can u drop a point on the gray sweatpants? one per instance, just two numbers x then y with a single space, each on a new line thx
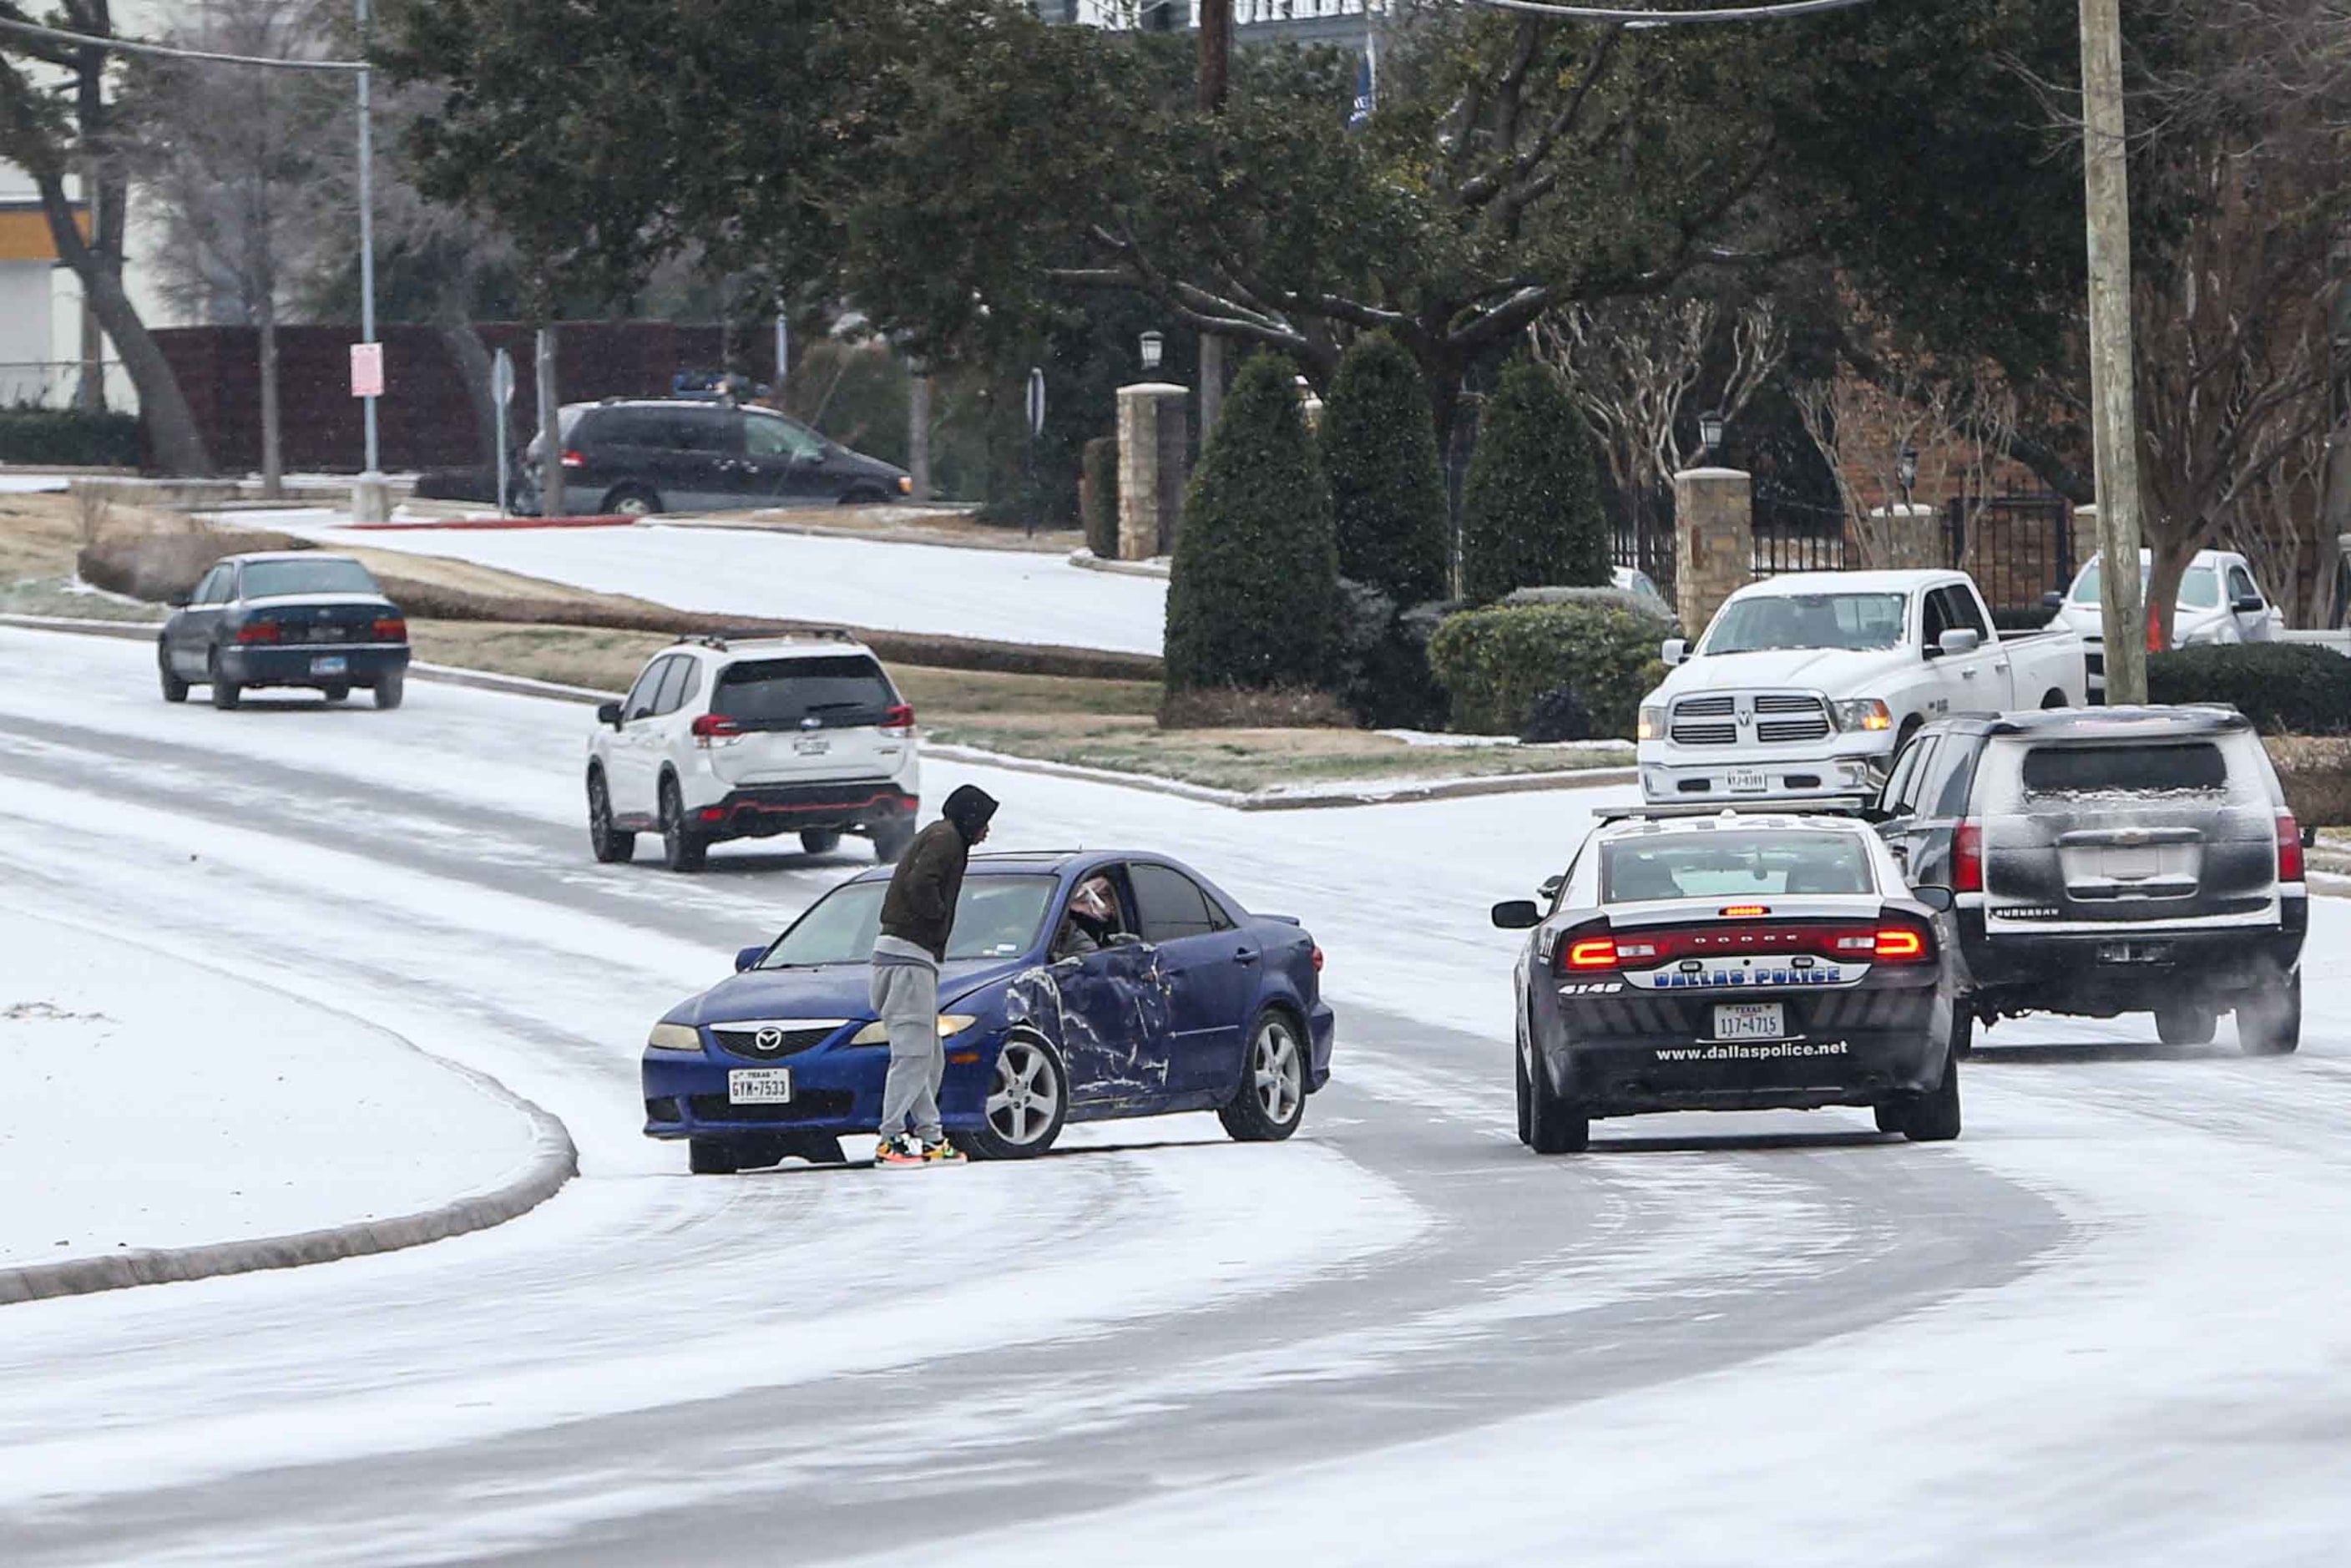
907 998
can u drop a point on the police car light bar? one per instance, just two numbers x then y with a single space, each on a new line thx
1823 806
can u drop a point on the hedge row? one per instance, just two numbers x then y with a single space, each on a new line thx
1496 665
69 438
2285 688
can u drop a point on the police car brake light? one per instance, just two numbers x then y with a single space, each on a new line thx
1592 953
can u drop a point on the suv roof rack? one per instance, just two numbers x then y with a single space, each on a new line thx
1821 806
726 634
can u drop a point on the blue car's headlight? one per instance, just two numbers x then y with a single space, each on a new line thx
950 1025
674 1037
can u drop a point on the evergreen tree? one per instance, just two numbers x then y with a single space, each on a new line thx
1530 510
1387 493
1253 601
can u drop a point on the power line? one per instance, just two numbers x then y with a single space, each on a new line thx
1648 18
167 52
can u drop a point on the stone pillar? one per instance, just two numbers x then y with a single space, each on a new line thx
1153 440
1714 536
1914 540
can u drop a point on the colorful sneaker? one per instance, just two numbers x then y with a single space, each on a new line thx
942 1152
901 1150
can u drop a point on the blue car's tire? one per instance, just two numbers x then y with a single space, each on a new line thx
1027 1103
712 1157
1271 1099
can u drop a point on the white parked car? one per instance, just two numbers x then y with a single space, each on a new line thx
1642 586
2218 603
751 738
1805 686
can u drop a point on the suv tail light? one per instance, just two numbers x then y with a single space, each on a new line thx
1967 858
257 631
899 722
1318 961
391 629
574 460
2289 848
710 727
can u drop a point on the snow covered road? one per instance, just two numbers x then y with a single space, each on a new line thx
1007 596
2096 1329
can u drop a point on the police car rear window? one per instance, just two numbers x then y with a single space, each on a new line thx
2124 769
1733 864
834 690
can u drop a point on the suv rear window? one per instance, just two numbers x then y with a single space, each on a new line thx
1718 865
835 689
2124 769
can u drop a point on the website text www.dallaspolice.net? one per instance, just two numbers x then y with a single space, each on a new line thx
1739 1052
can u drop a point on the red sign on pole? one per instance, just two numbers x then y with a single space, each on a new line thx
367 369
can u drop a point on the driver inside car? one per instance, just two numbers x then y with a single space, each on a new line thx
1091 921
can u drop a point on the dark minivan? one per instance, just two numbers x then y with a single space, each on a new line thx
633 457
2111 861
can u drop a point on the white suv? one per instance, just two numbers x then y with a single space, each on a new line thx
748 738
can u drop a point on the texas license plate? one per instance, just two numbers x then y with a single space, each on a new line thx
334 665
1751 1021
1748 781
811 746
759 1086
2133 952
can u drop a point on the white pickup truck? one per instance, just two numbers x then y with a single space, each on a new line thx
1807 686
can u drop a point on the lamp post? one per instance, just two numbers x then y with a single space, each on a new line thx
1709 432
369 502
1153 345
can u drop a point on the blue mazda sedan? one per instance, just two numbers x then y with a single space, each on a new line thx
1079 987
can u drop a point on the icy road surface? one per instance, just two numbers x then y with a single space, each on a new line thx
2098 1329
1005 596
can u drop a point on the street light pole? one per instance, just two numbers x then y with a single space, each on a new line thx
369 502
2113 381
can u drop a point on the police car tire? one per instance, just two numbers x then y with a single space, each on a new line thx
1934 1116
1554 1125
1518 1063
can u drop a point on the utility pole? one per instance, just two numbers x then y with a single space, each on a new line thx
552 500
1216 63
2114 386
369 502
918 428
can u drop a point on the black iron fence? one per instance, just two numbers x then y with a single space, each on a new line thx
1793 535
2016 547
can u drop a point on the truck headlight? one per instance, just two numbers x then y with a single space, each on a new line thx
1651 724
1862 714
674 1037
878 1033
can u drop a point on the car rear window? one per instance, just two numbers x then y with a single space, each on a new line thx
836 689
2124 769
1733 864
276 579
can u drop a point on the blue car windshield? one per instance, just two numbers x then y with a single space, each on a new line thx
997 917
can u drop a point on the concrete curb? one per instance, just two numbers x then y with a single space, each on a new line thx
459 525
1086 560
1397 793
554 1160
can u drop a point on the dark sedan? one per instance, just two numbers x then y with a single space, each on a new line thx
296 619
1723 962
1179 1001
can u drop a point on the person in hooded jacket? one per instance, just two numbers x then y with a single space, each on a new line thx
917 920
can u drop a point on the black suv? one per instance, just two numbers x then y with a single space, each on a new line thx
2110 860
635 456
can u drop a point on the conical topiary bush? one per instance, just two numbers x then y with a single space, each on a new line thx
1387 490
1530 511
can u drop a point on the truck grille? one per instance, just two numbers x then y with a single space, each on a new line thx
1779 717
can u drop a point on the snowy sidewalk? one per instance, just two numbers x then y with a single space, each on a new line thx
159 1119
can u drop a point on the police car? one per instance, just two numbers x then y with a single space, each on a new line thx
1692 958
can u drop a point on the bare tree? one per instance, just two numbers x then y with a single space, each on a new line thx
1632 366
56 122
1957 427
226 153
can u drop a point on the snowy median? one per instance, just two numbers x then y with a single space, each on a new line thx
161 1121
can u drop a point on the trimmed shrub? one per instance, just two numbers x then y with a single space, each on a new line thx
1243 707
2315 772
1254 596
1098 497
1530 511
69 438
1381 668
1498 664
2285 688
1387 492
1612 597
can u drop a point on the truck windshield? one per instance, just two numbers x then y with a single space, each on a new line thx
1733 864
1808 621
995 917
2200 588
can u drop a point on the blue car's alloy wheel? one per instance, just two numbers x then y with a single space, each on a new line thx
1272 1094
1028 1099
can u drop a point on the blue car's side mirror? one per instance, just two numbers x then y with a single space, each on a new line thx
749 958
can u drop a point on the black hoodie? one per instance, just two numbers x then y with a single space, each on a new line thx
920 906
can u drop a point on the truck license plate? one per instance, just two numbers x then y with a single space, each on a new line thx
1751 1021
1748 781
759 1086
811 746
334 665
